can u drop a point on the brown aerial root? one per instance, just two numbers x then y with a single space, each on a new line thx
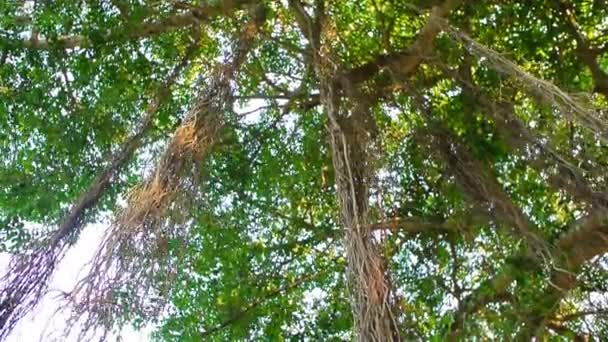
130 276
185 138
378 286
147 200
372 296
135 256
152 199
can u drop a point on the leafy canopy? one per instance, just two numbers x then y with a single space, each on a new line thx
485 186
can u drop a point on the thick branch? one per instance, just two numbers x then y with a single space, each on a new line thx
586 239
477 180
404 63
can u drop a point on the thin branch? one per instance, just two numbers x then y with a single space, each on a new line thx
258 302
579 314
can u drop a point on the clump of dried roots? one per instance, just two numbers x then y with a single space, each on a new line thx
138 252
29 273
138 259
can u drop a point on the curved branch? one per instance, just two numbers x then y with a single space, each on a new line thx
519 136
478 181
586 53
586 239
491 291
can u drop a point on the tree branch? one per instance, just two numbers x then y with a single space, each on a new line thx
194 16
587 239
492 290
419 225
404 63
478 180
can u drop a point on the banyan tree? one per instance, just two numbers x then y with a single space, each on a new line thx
370 170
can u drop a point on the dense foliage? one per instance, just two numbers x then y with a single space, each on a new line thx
310 169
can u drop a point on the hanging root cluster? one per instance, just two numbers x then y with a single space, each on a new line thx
138 251
132 271
373 300
370 285
547 92
371 290
135 253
